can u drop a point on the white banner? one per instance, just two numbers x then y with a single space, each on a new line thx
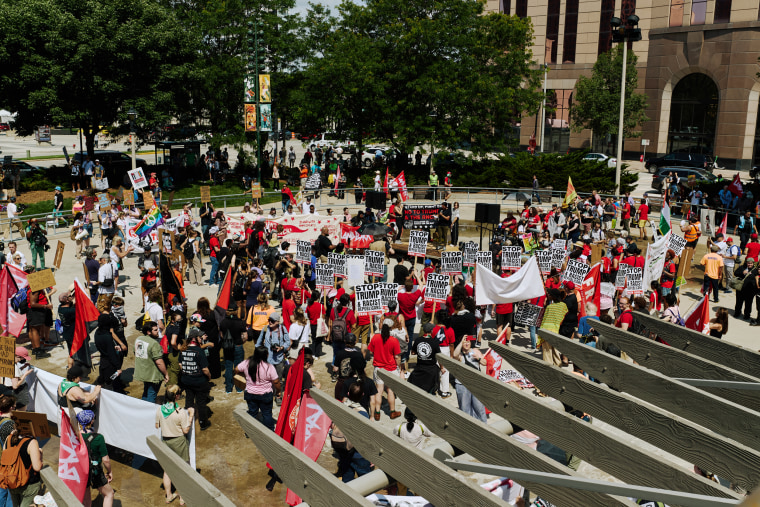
676 243
418 241
306 227
354 271
373 263
437 288
575 272
368 299
451 263
655 260
510 258
490 288
124 422
485 259
303 252
469 254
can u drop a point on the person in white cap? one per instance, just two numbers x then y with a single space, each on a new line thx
306 205
377 181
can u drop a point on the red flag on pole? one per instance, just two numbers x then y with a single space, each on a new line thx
590 289
401 182
224 298
291 399
736 186
73 458
698 318
723 229
85 313
311 431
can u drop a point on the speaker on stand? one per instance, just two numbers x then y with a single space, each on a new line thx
488 214
376 200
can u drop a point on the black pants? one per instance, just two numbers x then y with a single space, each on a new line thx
316 341
743 298
196 395
711 285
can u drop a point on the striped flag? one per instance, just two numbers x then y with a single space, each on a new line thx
664 219
570 195
152 219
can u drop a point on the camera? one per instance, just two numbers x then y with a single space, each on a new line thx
2 246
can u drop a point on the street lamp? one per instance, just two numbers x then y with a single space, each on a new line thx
545 66
132 115
624 33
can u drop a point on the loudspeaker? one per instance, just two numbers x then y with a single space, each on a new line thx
487 213
376 200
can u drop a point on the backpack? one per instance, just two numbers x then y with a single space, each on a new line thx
339 327
13 474
141 321
95 467
240 282
188 251
20 301
270 255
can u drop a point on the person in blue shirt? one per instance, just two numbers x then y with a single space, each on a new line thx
726 197
584 326
275 338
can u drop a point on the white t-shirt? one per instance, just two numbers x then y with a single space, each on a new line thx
289 214
107 270
299 332
11 209
156 314
23 257
115 256
306 205
414 437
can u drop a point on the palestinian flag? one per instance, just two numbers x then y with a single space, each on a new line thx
664 226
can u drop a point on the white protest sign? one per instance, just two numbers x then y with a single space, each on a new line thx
527 314
620 277
388 292
558 257
607 289
485 259
303 252
354 270
510 258
451 263
676 243
437 288
559 244
373 263
634 278
337 263
368 300
137 177
544 258
418 241
510 375
324 275
575 272
469 255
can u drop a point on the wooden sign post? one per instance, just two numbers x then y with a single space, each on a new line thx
148 200
41 280
58 254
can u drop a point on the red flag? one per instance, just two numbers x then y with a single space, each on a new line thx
311 431
401 182
385 183
224 298
698 318
85 312
13 323
73 459
723 229
590 289
285 190
350 236
736 186
291 400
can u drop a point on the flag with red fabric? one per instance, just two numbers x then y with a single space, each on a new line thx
385 183
86 312
311 432
350 237
698 318
723 229
11 281
590 292
285 190
736 186
224 298
401 182
291 400
73 458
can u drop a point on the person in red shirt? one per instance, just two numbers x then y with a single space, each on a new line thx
407 306
552 281
753 248
386 354
634 258
503 314
314 311
626 216
427 270
288 309
643 214
215 246
625 320
668 273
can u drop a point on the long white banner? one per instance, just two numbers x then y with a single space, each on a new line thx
306 227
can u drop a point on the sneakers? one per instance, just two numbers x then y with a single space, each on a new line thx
445 395
408 373
377 416
395 415
40 353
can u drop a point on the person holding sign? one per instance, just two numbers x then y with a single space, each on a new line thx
386 354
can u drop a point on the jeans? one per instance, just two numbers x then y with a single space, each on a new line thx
469 404
536 197
711 285
214 271
665 290
5 498
351 463
533 341
261 402
232 357
150 391
337 347
410 323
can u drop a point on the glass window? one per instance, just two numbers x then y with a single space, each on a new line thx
505 6
676 12
521 8
693 115
722 11
571 31
698 12
552 30
605 30
557 133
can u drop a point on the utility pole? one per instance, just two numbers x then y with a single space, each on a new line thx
253 70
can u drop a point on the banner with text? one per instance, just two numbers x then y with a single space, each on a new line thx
368 299
421 216
510 258
418 241
437 288
575 272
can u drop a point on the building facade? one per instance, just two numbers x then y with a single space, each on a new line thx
698 66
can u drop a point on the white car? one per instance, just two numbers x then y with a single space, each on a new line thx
330 139
601 157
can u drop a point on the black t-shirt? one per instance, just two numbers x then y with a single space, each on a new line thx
358 363
193 361
426 348
445 217
370 389
462 324
323 245
206 219
571 317
236 328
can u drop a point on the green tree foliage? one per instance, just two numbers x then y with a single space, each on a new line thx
86 62
409 72
596 103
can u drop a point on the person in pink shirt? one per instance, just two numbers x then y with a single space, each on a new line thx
260 382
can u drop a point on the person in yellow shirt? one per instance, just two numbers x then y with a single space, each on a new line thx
713 264
258 315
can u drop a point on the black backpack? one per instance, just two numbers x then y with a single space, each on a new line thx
188 251
270 256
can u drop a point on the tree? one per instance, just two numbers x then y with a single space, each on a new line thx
596 103
411 71
87 62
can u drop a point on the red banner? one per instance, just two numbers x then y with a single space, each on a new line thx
401 182
589 290
349 236
73 459
311 432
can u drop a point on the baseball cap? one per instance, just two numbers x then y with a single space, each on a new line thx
730 240
195 333
570 285
213 230
753 235
428 327
22 352
197 317
428 262
58 188
275 316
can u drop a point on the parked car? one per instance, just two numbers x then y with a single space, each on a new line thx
24 168
4 127
330 139
694 160
116 163
683 173
601 157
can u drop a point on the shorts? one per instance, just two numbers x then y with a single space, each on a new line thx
362 334
504 319
377 378
642 224
97 477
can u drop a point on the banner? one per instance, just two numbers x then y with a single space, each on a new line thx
620 277
676 243
707 217
368 300
324 276
374 262
265 115
337 263
469 254
451 263
525 284
655 260
510 258
401 183
527 314
137 177
250 118
265 88
311 432
485 259
388 292
306 227
570 195
544 258
73 459
575 272
12 280
314 181
418 241
351 238
437 288
421 216
634 279
303 252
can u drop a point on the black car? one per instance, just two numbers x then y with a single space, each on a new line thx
684 173
116 163
694 160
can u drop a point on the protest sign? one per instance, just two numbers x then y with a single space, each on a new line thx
368 300
104 202
137 177
129 199
388 292
558 257
634 278
418 241
205 194
313 182
354 271
31 424
575 272
620 277
560 244
510 375
469 254
41 280
437 288
374 263
256 192
421 216
303 252
148 200
58 254
544 258
607 289
451 263
324 274
676 243
527 314
529 242
485 259
510 258
337 263
7 356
